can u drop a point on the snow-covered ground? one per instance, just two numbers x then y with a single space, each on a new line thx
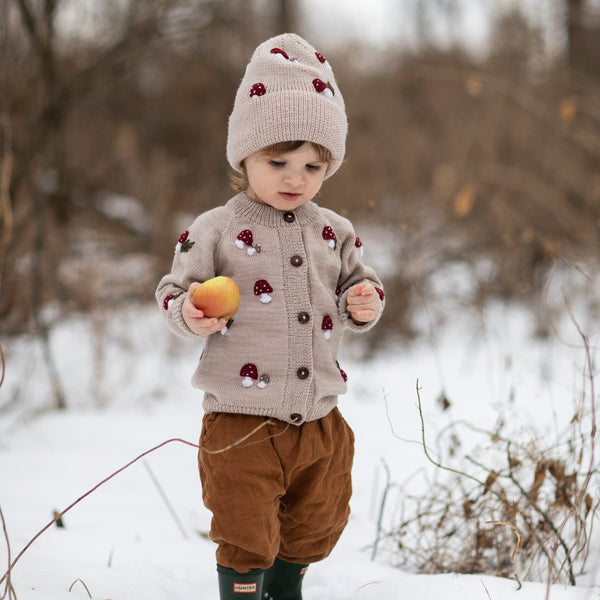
127 385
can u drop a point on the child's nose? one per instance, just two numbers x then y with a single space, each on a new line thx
293 178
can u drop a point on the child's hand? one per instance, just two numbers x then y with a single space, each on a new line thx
195 319
363 302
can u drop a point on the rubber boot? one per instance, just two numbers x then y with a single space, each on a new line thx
234 585
283 581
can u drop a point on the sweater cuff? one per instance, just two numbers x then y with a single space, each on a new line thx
176 322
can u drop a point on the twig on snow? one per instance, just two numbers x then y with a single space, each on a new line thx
486 590
9 591
381 509
83 584
166 500
426 451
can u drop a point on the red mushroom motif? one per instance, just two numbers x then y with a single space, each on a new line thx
262 288
358 243
327 327
168 300
280 52
249 372
245 238
322 59
258 89
323 88
183 243
329 236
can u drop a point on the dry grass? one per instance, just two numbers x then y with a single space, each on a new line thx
512 507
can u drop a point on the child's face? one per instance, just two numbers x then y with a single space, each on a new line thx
285 181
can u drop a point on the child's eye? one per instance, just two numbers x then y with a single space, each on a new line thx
277 163
314 167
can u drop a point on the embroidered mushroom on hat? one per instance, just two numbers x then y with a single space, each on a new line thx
323 88
327 326
262 288
329 236
322 59
280 52
258 89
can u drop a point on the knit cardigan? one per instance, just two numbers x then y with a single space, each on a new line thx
278 358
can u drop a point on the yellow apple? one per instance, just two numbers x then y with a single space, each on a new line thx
217 297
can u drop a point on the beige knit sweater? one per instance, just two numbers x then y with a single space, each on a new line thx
279 356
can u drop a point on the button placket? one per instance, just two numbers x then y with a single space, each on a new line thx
298 303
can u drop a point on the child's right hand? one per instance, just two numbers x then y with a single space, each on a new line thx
194 318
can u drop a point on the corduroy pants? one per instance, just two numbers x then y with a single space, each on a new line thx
282 492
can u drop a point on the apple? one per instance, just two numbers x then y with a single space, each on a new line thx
217 297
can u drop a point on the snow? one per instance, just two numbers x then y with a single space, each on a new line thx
126 379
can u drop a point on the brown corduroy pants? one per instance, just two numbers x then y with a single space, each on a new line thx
283 492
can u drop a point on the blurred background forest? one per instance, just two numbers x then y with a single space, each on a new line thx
113 124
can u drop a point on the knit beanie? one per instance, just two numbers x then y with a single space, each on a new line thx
288 93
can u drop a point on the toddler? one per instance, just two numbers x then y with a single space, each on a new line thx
280 499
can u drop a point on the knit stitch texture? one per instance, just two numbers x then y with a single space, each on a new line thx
297 375
288 93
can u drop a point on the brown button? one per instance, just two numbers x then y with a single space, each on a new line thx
296 260
289 217
303 317
295 418
302 373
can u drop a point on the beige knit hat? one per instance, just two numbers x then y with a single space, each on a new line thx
288 93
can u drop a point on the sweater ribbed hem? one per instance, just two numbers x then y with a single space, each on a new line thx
316 410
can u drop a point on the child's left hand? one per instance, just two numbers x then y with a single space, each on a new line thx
363 302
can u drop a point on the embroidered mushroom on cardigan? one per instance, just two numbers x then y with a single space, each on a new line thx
246 238
327 326
249 373
262 288
329 236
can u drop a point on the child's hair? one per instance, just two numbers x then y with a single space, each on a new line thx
239 181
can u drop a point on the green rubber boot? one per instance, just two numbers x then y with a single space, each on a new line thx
235 586
283 581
